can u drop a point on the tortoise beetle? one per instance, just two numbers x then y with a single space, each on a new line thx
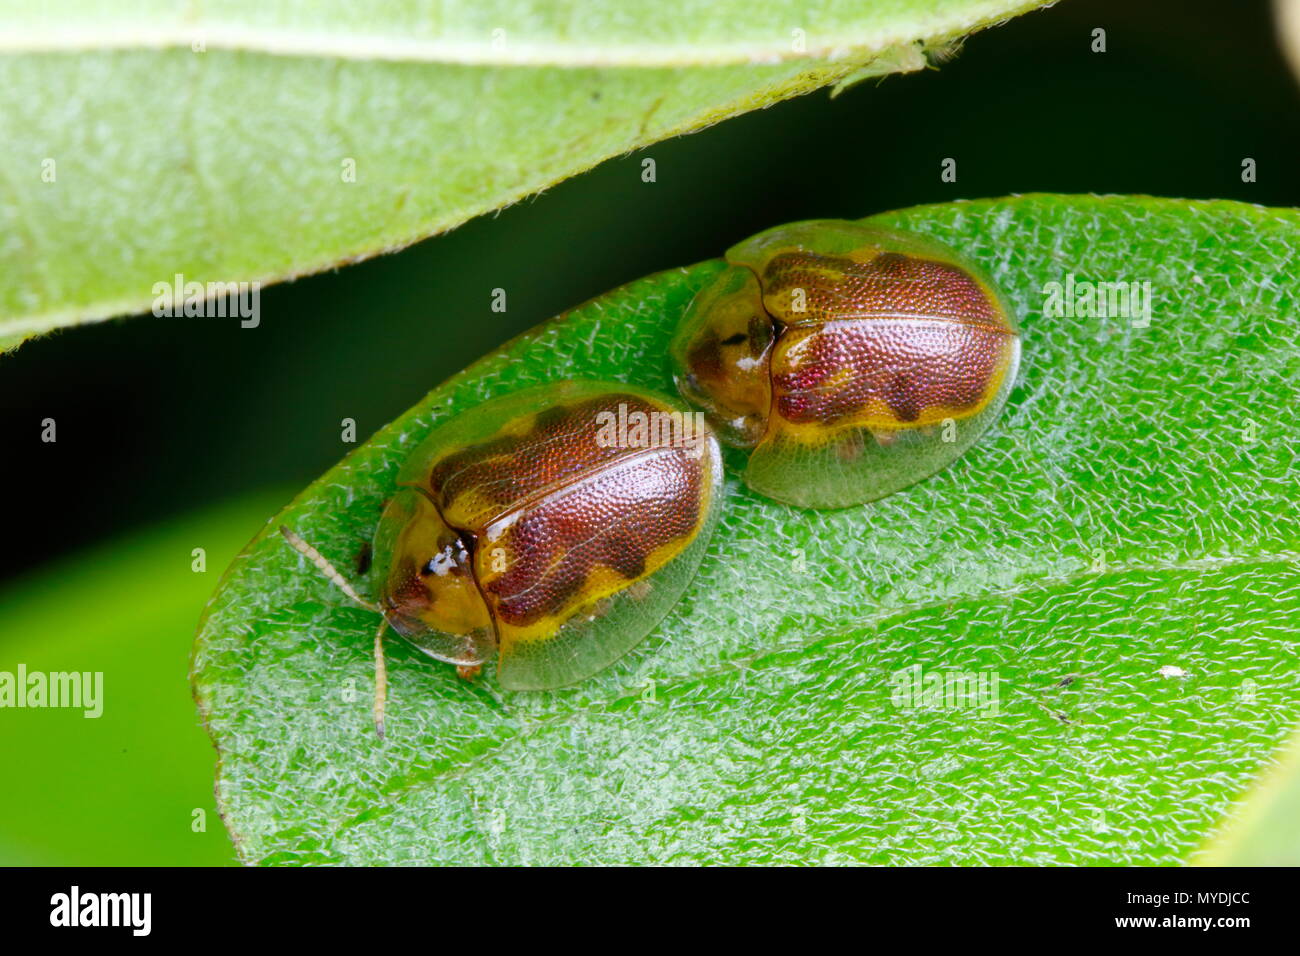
554 527
853 360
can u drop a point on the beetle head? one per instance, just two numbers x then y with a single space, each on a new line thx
427 589
721 355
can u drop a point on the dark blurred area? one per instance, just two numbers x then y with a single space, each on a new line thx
158 416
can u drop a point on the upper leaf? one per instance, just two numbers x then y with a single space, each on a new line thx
1116 560
258 140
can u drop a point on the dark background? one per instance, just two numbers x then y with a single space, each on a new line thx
159 416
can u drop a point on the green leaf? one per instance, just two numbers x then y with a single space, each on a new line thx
1119 552
1265 829
213 141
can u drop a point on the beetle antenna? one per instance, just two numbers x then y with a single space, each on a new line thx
381 679
327 569
381 668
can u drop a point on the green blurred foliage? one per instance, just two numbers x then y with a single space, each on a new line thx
122 788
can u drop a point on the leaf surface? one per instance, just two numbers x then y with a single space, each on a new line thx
1117 559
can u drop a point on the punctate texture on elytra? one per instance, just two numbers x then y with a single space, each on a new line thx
852 360
556 525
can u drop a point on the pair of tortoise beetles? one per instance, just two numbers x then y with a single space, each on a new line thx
557 526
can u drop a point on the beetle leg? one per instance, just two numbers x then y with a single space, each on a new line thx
468 671
884 438
640 590
381 679
599 609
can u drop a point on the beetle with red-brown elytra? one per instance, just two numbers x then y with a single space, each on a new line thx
851 360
